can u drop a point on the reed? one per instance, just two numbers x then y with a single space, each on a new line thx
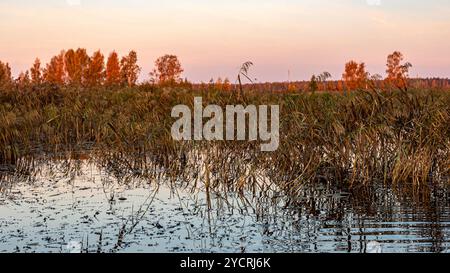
353 139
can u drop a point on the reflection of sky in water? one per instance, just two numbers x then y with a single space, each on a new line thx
53 212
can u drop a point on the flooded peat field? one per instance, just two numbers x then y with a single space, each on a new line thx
92 210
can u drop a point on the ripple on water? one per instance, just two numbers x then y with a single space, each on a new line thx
100 214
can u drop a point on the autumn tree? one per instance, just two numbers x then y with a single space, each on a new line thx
226 85
54 71
76 66
355 75
36 72
71 66
5 74
397 73
96 69
167 70
340 86
113 69
129 70
291 87
218 84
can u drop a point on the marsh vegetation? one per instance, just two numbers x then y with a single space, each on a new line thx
354 140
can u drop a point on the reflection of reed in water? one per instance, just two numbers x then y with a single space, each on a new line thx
235 186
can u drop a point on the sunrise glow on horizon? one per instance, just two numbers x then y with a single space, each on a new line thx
212 38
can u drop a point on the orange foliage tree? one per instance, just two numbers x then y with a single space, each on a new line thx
54 71
129 70
340 86
76 65
223 85
96 69
218 84
226 85
5 74
397 73
167 70
355 75
112 69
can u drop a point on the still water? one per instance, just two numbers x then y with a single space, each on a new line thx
94 211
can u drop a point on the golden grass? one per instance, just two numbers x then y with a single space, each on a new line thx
364 137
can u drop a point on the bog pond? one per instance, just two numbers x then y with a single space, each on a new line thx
92 209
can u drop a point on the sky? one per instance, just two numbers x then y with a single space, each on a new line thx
213 38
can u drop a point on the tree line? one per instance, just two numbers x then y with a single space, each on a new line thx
76 68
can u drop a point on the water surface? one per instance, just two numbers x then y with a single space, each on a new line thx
94 211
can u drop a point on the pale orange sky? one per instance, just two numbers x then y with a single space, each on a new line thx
212 38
